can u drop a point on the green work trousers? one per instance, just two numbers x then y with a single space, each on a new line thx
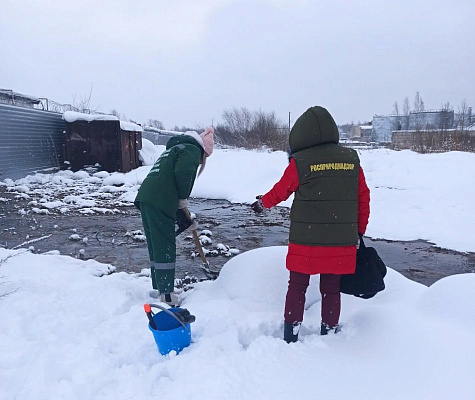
160 233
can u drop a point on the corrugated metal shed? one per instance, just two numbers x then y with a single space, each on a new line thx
30 140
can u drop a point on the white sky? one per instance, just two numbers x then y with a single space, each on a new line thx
183 62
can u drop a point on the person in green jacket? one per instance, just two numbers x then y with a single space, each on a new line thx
162 198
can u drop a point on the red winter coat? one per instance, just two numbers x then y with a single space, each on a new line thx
319 259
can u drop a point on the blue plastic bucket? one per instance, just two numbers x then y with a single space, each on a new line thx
170 333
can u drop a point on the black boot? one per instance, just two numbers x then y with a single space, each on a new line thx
291 331
324 329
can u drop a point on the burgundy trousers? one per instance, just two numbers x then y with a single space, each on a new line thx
295 300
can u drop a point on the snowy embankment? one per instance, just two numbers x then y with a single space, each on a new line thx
422 196
69 333
413 196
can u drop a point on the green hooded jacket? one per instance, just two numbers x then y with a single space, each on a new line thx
173 175
325 207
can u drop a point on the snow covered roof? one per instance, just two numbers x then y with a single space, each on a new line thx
366 127
24 97
162 131
73 116
431 111
130 126
412 112
388 115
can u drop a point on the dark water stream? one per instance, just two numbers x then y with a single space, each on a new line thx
234 225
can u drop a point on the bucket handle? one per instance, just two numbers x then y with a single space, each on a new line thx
170 313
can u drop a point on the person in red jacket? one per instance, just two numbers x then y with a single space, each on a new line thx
330 209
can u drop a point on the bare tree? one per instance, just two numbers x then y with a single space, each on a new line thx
184 128
463 116
417 99
396 121
155 123
446 106
252 129
83 103
119 115
406 108
445 113
395 108
418 103
237 125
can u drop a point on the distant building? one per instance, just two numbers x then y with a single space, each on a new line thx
366 133
355 132
362 133
343 135
425 120
384 125
431 131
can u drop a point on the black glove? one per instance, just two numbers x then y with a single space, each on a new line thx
257 205
182 221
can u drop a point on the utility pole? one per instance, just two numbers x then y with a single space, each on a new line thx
289 121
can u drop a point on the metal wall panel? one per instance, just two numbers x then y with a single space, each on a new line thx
156 138
30 140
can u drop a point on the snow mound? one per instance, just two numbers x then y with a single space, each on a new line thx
451 300
250 290
150 152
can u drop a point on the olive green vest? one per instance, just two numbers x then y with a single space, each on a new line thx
325 208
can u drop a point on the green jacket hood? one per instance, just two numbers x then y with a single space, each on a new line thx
187 138
315 126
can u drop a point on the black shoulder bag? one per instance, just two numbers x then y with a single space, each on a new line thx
368 278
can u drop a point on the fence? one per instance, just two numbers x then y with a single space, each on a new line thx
158 137
30 140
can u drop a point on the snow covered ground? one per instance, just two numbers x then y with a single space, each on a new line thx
413 196
422 196
70 331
